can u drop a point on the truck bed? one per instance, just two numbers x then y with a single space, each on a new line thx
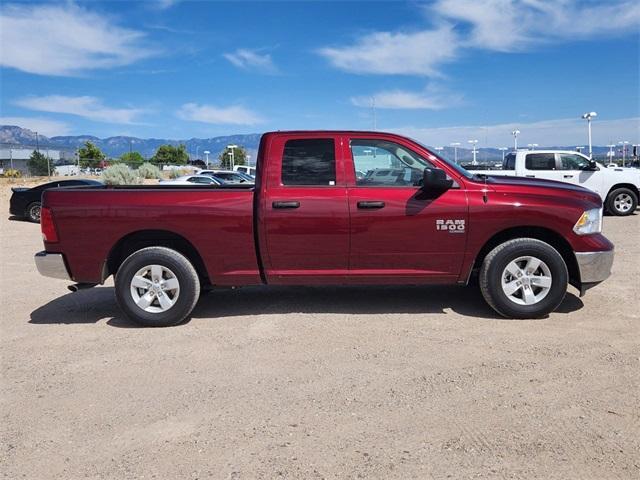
216 220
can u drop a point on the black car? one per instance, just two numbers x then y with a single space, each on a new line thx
25 202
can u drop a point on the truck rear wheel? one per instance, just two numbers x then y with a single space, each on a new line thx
157 287
621 202
524 278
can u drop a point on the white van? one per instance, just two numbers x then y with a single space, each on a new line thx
245 169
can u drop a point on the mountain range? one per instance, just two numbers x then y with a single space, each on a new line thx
11 135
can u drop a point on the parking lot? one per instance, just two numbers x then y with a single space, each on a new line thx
375 382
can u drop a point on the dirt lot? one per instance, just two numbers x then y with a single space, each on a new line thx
318 382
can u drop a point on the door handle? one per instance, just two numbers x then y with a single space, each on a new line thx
568 176
371 205
291 204
530 176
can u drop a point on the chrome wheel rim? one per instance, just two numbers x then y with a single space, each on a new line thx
34 212
526 280
155 288
623 202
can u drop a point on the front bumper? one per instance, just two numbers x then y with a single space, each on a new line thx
594 267
52 265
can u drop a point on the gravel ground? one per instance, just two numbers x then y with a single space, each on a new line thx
318 382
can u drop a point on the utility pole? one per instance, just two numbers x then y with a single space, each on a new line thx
373 112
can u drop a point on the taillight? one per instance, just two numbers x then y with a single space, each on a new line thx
47 227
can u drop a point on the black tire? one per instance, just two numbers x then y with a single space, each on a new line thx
495 264
178 265
32 212
621 202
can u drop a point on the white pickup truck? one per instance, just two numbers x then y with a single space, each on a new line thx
618 187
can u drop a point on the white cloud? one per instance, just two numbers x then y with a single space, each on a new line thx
559 132
43 126
498 25
251 60
418 53
66 39
87 107
429 99
233 115
511 25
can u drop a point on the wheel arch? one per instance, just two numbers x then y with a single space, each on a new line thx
630 186
137 240
546 235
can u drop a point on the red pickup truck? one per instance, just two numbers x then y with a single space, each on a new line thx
329 207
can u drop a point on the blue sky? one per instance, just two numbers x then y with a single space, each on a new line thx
442 71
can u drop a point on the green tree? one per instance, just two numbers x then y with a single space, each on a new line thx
239 157
172 155
38 164
90 156
133 159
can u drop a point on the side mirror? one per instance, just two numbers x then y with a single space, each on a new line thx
591 166
435 179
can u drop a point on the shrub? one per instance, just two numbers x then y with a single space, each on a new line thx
146 170
177 172
12 173
120 174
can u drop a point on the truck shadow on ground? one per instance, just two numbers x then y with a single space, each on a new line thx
93 305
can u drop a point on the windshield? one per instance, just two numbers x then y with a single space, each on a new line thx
462 171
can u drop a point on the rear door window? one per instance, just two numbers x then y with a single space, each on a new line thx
309 162
540 161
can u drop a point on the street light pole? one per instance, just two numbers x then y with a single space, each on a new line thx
588 116
232 154
455 146
503 149
624 150
206 155
611 154
515 134
474 143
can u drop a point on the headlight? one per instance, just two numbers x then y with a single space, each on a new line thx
589 222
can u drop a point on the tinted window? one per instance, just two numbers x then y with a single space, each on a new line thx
572 162
379 162
540 161
309 162
509 162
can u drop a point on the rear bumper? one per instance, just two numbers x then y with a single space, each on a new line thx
52 265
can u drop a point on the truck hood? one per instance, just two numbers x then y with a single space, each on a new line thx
551 187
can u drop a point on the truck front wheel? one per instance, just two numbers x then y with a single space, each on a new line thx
157 287
621 202
524 278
